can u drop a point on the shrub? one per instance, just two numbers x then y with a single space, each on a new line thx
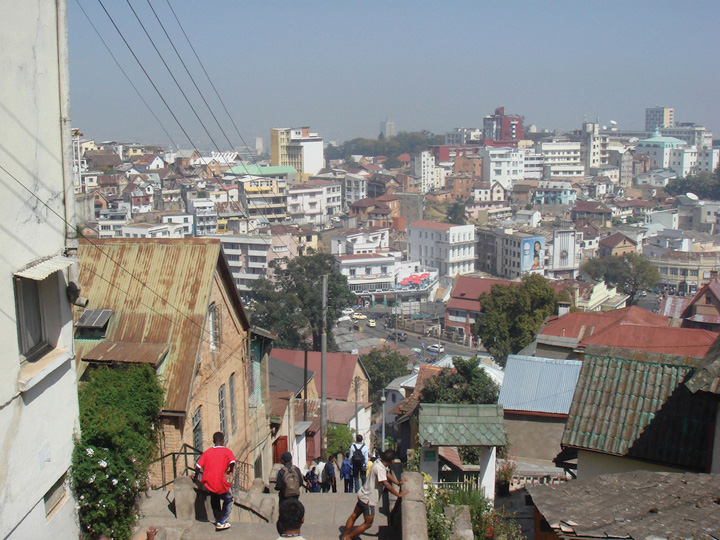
119 412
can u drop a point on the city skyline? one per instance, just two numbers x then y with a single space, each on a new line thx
342 70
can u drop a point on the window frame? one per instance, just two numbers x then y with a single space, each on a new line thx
28 352
231 398
222 409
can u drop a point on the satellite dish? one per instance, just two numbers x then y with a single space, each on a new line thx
613 122
604 127
692 196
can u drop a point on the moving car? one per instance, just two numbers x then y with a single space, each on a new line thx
371 323
359 316
401 336
348 311
435 348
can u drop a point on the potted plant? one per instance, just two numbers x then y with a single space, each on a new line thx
503 475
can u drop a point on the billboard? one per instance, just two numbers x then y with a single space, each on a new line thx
533 254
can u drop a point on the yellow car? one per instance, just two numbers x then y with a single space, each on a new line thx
359 316
371 323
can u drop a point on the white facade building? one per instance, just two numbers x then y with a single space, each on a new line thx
154 230
38 387
461 136
533 163
503 165
187 221
314 202
111 222
429 174
563 159
675 155
298 148
205 216
449 248
360 241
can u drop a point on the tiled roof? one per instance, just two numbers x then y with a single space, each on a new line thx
591 206
469 288
707 378
534 384
427 224
634 404
638 504
449 424
616 239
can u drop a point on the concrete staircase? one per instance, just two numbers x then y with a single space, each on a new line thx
325 515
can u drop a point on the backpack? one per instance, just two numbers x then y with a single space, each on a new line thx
291 480
358 459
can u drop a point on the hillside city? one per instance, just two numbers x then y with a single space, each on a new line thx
525 315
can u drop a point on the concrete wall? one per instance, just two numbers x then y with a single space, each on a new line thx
38 398
594 464
534 437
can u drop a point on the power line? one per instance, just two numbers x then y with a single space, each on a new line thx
146 74
125 73
172 75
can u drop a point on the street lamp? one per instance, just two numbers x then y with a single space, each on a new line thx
382 400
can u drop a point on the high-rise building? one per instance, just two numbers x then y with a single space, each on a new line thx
387 128
659 117
502 127
297 148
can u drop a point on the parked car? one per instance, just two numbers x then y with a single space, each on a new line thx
401 336
359 316
348 311
435 348
371 323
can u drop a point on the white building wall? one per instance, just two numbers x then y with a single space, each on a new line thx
38 399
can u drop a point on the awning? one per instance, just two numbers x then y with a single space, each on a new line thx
302 427
39 271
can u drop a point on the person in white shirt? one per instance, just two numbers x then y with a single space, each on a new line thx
359 461
370 495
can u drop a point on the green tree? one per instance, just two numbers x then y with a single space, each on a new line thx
456 213
466 383
382 366
293 302
512 314
631 273
339 439
119 422
705 185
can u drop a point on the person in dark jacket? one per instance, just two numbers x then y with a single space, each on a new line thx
346 473
287 468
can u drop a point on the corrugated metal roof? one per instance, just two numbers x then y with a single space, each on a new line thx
41 270
534 384
133 353
163 300
449 424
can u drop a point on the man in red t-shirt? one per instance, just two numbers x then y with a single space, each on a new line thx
215 465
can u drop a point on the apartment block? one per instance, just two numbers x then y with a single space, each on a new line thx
298 148
315 202
659 117
449 248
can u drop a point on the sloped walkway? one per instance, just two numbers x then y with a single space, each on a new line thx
325 515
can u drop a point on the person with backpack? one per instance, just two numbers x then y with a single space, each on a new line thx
346 473
289 479
359 460
328 478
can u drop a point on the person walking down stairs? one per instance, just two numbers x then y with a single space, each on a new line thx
215 468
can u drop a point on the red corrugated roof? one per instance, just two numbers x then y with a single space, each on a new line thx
582 324
665 340
616 239
339 372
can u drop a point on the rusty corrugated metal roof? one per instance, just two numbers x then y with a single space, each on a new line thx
131 353
159 291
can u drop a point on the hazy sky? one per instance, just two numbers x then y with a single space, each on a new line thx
341 66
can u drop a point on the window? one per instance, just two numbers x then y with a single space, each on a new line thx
31 325
231 389
55 495
197 431
221 409
214 323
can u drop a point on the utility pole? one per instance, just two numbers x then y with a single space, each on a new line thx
323 366
382 399
305 384
357 421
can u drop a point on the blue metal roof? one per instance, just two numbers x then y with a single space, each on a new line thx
535 384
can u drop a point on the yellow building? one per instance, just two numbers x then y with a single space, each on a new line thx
297 148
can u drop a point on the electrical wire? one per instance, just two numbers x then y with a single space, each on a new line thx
117 63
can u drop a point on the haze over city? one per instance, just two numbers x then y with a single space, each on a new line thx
344 67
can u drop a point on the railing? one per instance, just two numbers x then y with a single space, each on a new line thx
242 476
469 484
178 458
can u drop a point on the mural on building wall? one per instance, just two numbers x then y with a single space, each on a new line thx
533 253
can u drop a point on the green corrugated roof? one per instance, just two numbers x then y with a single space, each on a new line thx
257 170
637 406
447 424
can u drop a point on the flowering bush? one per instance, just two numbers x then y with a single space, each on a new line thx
506 469
119 409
